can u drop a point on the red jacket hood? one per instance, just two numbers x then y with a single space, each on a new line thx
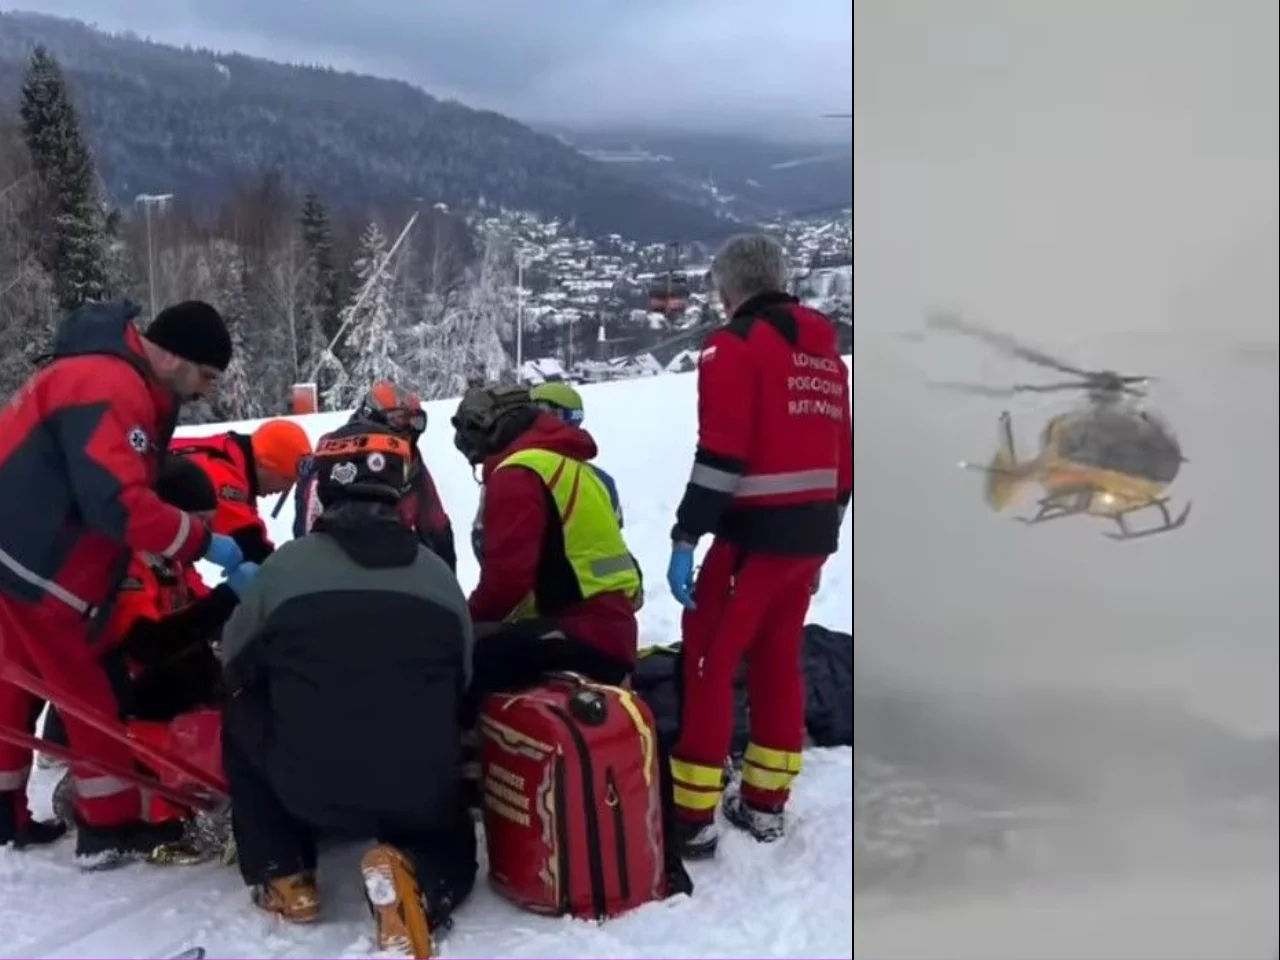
548 433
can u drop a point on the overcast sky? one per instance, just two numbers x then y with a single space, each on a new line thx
736 64
1069 165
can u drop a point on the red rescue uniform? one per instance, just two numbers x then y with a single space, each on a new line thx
166 611
772 478
160 638
80 449
227 460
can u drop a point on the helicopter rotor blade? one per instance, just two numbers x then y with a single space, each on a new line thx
953 323
1051 387
974 389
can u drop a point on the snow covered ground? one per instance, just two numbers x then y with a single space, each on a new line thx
792 899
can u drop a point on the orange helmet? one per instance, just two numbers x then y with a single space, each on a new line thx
392 406
280 446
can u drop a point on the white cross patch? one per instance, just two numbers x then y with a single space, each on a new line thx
139 440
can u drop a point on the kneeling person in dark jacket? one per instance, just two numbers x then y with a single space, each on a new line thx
352 643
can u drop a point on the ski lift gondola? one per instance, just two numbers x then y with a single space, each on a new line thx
669 291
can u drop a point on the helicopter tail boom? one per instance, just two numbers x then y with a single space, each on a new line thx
1006 478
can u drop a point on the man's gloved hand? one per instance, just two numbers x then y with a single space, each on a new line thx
680 574
224 552
240 578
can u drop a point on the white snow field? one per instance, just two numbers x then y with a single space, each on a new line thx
791 899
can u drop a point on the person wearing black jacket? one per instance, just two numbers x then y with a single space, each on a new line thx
346 665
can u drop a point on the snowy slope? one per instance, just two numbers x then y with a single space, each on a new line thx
793 899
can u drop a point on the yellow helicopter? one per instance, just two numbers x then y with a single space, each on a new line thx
1109 457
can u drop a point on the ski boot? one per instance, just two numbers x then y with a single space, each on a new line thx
105 848
19 828
401 923
695 840
765 826
206 835
294 898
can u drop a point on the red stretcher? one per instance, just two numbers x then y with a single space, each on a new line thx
183 757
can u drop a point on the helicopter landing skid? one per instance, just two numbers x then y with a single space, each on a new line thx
1076 503
1170 523
1063 504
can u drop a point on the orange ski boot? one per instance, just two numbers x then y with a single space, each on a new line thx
399 914
295 898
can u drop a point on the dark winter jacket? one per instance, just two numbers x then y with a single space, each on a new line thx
346 663
523 548
80 448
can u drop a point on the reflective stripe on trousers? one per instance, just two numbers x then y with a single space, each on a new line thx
14 780
97 787
763 484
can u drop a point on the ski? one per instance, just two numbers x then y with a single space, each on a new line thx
193 953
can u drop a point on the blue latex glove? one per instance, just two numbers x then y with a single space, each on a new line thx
240 578
680 574
224 552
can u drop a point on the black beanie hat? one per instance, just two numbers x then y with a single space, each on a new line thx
184 485
194 331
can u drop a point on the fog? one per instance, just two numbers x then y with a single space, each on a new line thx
1099 179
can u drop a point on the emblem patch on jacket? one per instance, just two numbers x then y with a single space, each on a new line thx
139 440
229 492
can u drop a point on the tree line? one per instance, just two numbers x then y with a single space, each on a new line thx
309 297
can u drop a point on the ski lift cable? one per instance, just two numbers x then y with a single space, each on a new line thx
364 293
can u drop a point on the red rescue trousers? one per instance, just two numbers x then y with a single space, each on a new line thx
51 642
750 605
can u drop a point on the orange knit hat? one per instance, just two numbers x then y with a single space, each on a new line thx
280 446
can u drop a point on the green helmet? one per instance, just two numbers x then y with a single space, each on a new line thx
559 398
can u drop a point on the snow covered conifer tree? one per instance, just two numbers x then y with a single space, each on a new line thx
372 336
464 339
237 399
319 316
75 251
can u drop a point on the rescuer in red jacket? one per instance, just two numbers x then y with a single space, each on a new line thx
557 586
771 479
158 649
158 646
80 448
243 468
